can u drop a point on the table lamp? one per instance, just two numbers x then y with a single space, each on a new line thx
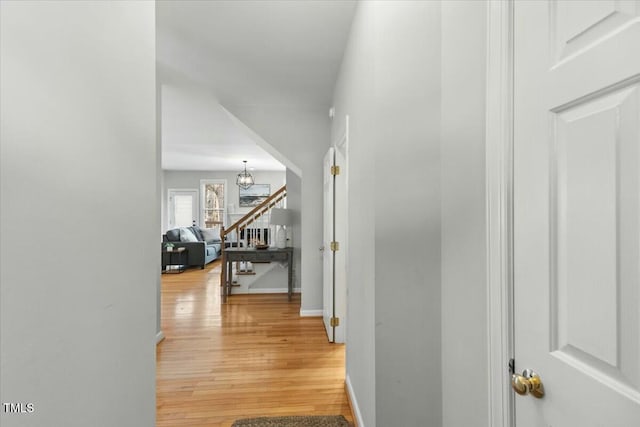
280 218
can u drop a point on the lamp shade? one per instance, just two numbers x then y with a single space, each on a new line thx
280 216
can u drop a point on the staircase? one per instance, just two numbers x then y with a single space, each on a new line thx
251 230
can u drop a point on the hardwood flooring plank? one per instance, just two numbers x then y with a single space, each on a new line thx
254 356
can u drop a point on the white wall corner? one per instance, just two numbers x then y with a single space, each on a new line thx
264 144
354 402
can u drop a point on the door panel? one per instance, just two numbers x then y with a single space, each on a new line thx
577 24
590 142
577 211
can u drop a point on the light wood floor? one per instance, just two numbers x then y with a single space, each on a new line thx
253 356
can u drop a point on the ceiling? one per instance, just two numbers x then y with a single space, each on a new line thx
216 54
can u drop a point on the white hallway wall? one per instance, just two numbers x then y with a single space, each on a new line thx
294 203
78 170
464 257
412 82
354 95
389 85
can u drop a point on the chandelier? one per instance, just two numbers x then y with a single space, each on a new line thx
244 179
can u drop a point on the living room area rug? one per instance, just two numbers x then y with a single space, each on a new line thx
295 421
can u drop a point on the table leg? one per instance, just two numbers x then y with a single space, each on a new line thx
290 282
230 280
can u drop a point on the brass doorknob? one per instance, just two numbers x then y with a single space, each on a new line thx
528 382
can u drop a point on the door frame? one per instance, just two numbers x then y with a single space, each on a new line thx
328 254
340 233
341 145
499 205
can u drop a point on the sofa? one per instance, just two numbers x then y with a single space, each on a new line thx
203 245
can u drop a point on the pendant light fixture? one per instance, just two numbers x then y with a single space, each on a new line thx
244 179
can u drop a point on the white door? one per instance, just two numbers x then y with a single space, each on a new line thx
334 255
327 254
183 208
577 211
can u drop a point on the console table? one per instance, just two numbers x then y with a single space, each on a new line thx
231 255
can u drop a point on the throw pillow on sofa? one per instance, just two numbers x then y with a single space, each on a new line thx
173 235
196 232
211 235
187 235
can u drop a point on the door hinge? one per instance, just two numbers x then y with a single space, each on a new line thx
512 366
335 170
335 321
335 246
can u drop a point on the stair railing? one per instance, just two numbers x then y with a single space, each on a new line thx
250 229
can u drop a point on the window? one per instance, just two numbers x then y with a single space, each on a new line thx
213 204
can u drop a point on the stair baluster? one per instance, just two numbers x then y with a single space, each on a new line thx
249 228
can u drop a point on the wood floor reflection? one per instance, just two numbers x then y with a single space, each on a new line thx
254 356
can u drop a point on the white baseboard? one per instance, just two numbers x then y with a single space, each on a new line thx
354 403
272 290
311 313
159 337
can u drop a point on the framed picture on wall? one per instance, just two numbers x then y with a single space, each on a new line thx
254 195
